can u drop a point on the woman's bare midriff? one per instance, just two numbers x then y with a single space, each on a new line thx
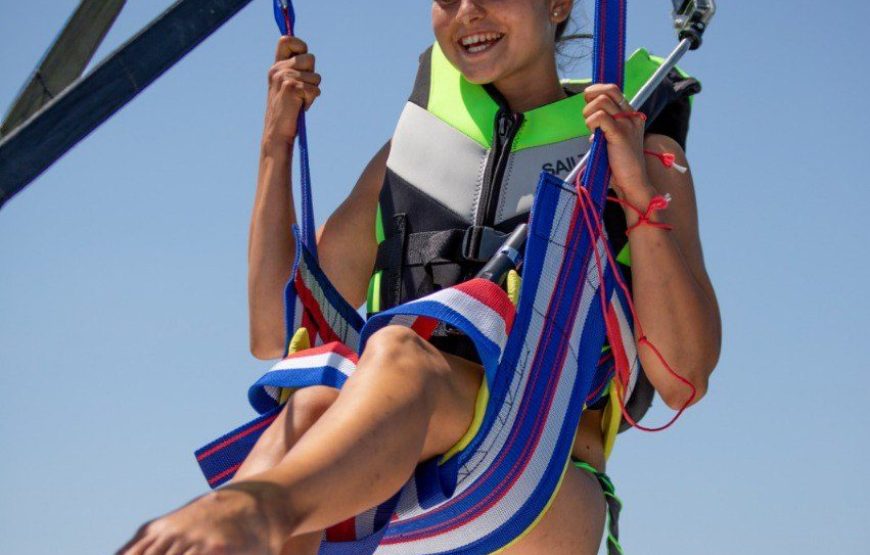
589 442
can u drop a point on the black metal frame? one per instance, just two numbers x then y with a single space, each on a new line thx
39 142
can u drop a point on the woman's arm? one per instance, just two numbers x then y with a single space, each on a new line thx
346 243
673 296
292 85
346 247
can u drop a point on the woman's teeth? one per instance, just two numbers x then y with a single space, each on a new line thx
480 42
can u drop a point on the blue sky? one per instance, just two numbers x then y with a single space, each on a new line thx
123 319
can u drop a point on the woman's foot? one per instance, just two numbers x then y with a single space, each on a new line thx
230 521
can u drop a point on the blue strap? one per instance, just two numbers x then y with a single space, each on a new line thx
608 66
285 17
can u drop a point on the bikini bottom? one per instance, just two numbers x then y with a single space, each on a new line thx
614 505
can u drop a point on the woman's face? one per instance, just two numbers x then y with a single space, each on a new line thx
493 40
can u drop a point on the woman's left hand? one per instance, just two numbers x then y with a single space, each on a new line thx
607 109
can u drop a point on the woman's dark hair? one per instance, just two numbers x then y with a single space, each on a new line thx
561 28
565 39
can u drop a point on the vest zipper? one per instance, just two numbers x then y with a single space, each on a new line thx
507 125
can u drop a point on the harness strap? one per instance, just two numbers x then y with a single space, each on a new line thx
472 244
285 16
608 66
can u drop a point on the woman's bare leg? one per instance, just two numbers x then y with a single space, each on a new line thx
298 415
404 404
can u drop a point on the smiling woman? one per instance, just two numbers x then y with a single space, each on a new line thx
432 207
504 44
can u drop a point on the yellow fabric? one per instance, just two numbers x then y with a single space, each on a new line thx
514 281
299 342
612 419
476 422
471 110
513 290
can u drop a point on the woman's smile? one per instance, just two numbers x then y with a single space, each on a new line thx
477 43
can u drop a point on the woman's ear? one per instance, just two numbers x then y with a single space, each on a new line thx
560 10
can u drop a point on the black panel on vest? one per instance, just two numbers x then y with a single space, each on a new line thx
416 277
668 109
398 196
420 94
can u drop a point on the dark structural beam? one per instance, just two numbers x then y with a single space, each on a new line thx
35 145
65 60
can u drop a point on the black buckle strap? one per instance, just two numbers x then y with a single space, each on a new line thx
473 244
480 243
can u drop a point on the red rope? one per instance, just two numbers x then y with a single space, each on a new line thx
596 232
657 203
624 115
287 23
668 160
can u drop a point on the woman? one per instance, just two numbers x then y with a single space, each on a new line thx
409 401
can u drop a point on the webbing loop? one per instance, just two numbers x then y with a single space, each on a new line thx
608 66
285 17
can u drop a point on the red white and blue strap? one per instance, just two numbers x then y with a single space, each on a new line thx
313 303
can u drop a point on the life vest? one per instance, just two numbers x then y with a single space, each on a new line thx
462 172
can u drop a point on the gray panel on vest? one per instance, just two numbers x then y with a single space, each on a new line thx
438 160
525 167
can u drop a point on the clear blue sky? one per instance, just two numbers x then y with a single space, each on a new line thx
123 324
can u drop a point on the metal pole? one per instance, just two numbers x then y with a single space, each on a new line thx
644 93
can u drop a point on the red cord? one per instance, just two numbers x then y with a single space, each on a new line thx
624 115
657 203
287 22
668 160
597 233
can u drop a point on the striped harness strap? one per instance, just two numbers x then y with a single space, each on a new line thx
540 362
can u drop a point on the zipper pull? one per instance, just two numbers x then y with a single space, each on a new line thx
503 122
507 123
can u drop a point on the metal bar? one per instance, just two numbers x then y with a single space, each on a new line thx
69 118
65 60
643 94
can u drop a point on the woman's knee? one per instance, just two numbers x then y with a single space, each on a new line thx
402 348
302 410
307 405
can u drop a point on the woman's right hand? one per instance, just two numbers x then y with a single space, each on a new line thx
293 84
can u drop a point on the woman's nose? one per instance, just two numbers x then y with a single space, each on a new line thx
470 11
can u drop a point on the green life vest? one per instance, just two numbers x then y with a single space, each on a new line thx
463 169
